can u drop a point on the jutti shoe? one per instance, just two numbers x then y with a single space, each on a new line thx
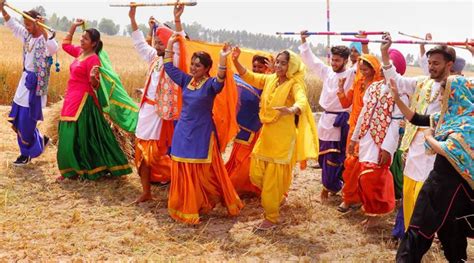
22 160
46 141
266 226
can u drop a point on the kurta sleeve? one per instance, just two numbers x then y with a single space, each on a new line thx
405 85
146 52
216 85
255 79
420 120
299 96
178 76
19 31
72 50
314 64
52 46
390 142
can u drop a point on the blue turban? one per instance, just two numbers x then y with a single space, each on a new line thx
357 46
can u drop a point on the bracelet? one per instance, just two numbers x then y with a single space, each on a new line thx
169 51
177 21
222 67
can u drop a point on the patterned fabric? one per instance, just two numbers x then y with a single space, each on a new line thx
454 126
42 63
419 104
167 93
378 116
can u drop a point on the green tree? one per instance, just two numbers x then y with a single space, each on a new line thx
107 26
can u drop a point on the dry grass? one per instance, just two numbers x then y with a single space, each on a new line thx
74 220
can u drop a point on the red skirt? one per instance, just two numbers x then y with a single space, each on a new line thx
376 189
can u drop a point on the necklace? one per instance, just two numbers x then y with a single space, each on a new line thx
428 97
196 84
29 47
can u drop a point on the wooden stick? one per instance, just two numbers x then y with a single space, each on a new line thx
334 33
420 38
154 4
29 18
409 42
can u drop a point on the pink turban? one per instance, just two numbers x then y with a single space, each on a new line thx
398 60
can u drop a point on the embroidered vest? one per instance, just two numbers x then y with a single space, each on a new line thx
419 104
41 63
378 114
167 92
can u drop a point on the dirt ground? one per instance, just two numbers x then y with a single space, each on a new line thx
84 221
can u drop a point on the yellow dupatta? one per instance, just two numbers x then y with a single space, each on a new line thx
307 143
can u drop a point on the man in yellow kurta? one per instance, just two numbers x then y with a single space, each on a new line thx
288 133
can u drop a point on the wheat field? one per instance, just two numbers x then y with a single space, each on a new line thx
75 221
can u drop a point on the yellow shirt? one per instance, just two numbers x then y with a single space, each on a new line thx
278 135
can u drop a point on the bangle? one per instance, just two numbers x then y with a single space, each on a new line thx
169 51
177 20
222 67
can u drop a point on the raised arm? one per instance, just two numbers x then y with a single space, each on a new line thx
178 76
19 31
72 50
405 85
314 64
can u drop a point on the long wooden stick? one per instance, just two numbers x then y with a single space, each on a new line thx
29 18
334 33
154 4
420 38
409 42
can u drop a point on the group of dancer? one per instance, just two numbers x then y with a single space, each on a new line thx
375 121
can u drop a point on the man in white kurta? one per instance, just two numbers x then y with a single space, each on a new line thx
31 93
333 126
424 93
158 108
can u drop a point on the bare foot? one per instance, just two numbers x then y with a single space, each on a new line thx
370 222
143 198
266 225
324 196
60 179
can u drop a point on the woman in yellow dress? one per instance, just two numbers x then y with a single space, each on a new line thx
288 134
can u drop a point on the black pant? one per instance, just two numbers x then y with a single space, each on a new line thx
453 239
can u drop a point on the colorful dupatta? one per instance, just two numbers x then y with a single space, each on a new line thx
454 126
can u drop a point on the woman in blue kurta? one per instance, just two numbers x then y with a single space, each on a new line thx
199 179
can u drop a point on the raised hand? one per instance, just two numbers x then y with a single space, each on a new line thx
304 36
385 46
178 11
152 22
341 83
133 10
394 90
79 22
2 5
226 50
470 47
428 37
235 53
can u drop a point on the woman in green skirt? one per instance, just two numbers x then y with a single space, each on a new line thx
87 146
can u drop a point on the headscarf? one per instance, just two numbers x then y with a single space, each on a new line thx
307 143
357 46
454 126
374 63
398 60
